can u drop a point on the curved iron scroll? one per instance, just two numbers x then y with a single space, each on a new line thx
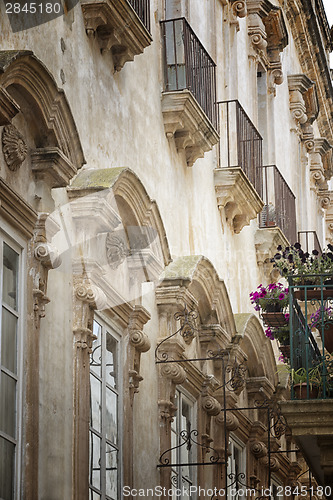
278 425
187 330
188 440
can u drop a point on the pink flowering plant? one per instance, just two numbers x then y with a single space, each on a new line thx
280 333
274 297
321 316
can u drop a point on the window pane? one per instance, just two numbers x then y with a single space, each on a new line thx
111 360
10 275
8 340
94 496
7 466
96 355
111 472
7 404
95 461
96 406
111 416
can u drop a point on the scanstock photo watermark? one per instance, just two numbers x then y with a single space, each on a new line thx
234 493
23 15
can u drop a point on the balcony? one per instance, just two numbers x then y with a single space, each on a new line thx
121 26
238 180
189 96
309 413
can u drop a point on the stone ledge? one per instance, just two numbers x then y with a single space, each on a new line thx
185 120
117 27
237 196
8 107
313 418
16 211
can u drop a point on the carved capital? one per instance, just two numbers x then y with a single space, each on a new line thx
211 406
258 449
173 372
47 255
90 294
139 340
14 147
232 422
239 8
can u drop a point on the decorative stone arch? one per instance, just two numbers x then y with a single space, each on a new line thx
261 362
120 231
27 86
192 282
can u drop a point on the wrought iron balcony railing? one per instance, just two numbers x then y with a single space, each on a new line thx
187 65
309 241
240 142
311 336
279 209
142 8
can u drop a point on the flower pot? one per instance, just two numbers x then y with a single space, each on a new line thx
313 294
300 391
274 319
285 351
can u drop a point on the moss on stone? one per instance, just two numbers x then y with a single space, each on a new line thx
99 178
183 267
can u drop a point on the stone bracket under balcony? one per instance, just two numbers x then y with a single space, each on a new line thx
188 124
117 27
266 241
311 423
237 196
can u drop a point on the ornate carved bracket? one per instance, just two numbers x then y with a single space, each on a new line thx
138 343
46 258
268 34
319 156
171 374
303 103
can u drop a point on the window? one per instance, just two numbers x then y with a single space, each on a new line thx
10 315
104 474
182 475
237 467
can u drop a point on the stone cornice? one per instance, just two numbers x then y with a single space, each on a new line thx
17 211
307 37
8 107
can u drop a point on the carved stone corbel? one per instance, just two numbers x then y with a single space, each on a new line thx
324 198
239 8
258 449
231 421
273 463
138 343
317 157
45 257
303 104
171 374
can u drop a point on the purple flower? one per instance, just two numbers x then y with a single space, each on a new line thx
281 296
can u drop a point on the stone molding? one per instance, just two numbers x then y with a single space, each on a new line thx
237 197
17 211
187 123
117 27
50 164
8 107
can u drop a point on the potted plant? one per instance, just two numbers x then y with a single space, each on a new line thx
281 334
322 319
306 267
302 379
271 301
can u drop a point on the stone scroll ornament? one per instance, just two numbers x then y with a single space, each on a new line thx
14 147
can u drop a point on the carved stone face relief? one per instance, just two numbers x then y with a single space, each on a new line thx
14 147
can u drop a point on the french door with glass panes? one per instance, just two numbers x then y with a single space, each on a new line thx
104 439
10 316
184 452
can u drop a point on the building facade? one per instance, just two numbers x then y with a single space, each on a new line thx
154 155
